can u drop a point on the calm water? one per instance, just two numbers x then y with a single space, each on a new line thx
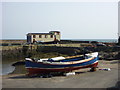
6 68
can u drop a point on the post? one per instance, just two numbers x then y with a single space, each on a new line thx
119 40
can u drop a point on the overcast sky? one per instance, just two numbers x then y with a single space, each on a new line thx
75 20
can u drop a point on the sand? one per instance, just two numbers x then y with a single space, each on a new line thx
84 79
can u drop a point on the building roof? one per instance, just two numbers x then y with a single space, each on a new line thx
43 33
55 31
39 34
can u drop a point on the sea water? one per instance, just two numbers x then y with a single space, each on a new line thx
98 40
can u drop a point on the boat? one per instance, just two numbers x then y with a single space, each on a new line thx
61 64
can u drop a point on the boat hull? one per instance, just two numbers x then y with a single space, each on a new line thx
48 67
45 70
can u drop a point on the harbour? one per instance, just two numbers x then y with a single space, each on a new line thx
12 54
15 76
60 45
80 80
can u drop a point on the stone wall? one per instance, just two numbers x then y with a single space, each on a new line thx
44 51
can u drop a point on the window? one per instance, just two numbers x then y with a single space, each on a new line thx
45 36
34 36
51 36
39 36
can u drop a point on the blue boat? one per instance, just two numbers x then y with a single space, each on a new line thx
61 64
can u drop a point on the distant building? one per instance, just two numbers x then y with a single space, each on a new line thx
52 36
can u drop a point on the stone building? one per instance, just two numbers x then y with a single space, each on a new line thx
52 36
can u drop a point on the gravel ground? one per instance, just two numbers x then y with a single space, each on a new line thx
83 79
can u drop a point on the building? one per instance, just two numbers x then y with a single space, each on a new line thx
52 36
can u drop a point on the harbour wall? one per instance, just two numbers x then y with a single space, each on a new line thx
24 42
53 50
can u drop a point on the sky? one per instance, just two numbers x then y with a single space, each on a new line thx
75 20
